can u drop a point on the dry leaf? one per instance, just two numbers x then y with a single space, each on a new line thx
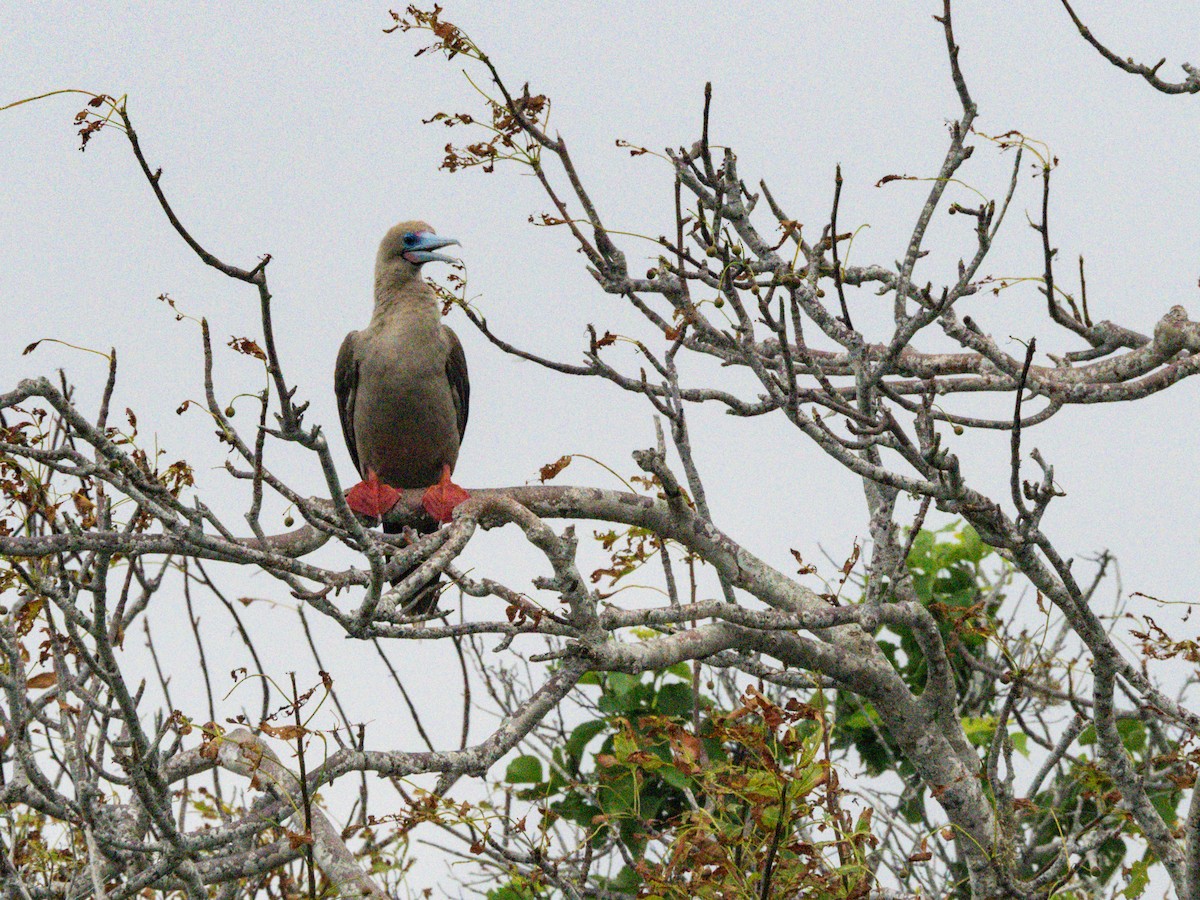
44 680
248 347
550 470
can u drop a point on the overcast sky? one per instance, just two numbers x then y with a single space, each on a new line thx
296 130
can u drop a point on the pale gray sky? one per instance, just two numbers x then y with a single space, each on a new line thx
296 130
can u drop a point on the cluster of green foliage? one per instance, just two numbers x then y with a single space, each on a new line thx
748 805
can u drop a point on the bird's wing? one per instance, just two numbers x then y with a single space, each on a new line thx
345 385
460 385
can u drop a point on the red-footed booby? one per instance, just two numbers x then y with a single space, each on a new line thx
402 388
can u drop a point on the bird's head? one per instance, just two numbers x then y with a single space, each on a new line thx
405 248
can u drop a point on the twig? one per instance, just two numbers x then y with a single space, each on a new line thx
833 239
304 798
1015 440
1190 85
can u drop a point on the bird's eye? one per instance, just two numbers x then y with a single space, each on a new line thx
409 239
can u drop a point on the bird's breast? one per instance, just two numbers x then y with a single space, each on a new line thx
404 417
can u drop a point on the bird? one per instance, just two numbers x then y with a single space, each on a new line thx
402 390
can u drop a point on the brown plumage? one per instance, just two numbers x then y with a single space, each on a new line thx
401 382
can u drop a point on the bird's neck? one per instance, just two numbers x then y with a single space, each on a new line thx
412 299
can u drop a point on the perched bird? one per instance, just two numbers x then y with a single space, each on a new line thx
402 389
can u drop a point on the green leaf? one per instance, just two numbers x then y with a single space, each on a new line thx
1133 734
557 766
620 683
675 700
623 745
922 546
1020 742
914 809
770 816
624 694
627 880
1166 803
576 808
512 892
519 888
674 777
1139 877
681 670
979 730
582 736
619 797
524 770
973 549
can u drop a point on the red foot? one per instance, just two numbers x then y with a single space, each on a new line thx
372 497
439 501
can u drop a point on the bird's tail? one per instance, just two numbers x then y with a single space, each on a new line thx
425 600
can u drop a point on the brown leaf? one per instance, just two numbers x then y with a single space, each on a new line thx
805 569
88 130
608 339
44 680
887 178
690 745
283 732
296 839
28 615
550 470
848 565
641 758
247 347
802 710
86 507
